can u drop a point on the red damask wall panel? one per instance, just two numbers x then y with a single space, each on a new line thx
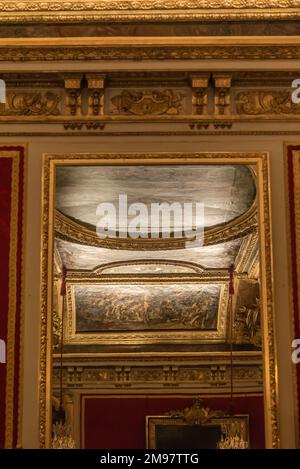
293 189
12 173
120 422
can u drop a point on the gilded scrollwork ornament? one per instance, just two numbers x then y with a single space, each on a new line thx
148 102
264 102
32 103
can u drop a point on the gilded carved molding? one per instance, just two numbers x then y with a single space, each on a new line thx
70 230
27 103
148 102
247 325
265 102
210 374
163 52
190 269
154 10
198 103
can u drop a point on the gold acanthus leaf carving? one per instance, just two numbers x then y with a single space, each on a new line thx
247 325
148 102
32 104
265 102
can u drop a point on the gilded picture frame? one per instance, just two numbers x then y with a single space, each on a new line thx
188 336
261 162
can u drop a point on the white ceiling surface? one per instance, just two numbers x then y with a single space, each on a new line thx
226 191
77 256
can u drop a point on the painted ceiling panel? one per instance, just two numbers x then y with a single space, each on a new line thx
146 307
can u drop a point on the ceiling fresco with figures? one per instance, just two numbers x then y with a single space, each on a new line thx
116 289
146 307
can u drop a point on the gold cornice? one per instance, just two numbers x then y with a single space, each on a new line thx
147 10
150 48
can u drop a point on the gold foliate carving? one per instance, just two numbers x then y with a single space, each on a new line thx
197 414
56 331
247 325
105 52
247 375
270 367
155 10
257 102
28 103
146 5
148 102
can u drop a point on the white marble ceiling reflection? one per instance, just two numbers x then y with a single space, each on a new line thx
227 191
77 256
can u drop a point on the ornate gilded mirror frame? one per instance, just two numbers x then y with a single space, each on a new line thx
197 417
261 163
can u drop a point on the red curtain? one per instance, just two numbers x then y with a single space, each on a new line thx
12 171
120 422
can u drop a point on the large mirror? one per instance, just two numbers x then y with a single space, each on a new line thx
156 289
